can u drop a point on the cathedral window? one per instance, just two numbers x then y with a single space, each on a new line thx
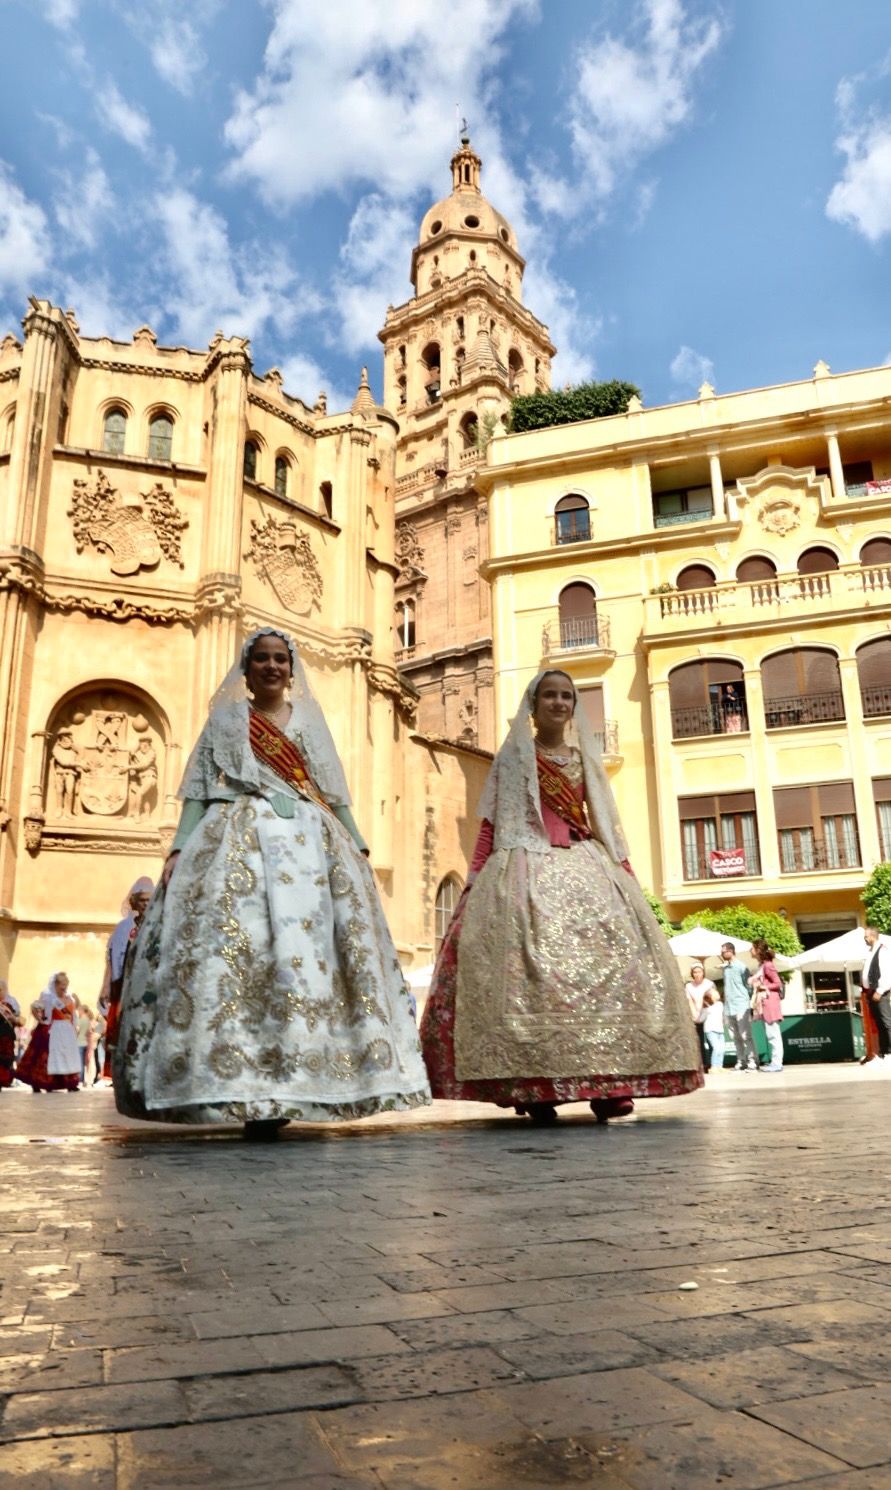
405 630
282 471
160 437
515 368
469 428
430 359
326 493
114 431
250 460
8 432
447 897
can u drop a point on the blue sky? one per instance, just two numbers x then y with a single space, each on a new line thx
702 190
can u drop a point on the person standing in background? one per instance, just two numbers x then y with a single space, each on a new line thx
876 983
738 1008
696 987
767 986
10 1022
711 1021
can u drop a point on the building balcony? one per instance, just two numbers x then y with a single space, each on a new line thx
817 856
750 605
709 719
576 635
876 701
672 519
717 866
608 739
804 708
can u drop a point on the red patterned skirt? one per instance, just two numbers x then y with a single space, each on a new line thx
7 1053
438 1042
32 1068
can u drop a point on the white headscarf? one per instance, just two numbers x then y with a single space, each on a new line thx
511 799
224 747
50 999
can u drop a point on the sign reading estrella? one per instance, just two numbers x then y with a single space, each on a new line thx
726 862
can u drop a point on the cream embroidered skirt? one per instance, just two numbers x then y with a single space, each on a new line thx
265 983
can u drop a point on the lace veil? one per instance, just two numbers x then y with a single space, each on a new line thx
224 749
511 800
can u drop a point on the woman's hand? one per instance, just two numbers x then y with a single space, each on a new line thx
169 867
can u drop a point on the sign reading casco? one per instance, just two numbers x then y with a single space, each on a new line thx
726 862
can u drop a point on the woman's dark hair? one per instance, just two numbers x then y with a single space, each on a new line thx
762 951
267 636
555 672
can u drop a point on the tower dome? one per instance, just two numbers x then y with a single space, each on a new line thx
464 231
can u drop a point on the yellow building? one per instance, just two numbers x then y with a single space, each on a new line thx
157 503
716 577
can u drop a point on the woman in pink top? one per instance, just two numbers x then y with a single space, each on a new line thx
767 988
554 982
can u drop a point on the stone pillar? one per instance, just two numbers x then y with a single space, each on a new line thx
719 505
672 865
225 476
836 470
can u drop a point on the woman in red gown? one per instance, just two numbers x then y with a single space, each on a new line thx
554 983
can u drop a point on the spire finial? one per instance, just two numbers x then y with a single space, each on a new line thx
363 403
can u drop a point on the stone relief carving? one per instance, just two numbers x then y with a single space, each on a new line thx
136 531
779 515
409 554
104 760
284 559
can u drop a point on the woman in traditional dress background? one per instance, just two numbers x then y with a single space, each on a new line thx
554 982
52 1060
133 910
10 1021
264 984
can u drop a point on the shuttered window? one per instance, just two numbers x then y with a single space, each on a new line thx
802 686
817 827
718 822
707 698
881 791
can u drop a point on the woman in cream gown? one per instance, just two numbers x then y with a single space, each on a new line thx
554 982
264 984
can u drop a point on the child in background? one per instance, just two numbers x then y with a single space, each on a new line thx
712 1020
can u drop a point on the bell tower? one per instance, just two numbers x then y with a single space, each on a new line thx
454 355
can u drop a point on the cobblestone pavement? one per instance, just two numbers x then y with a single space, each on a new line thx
453 1301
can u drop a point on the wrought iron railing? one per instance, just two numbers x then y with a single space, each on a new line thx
709 719
802 858
876 701
804 708
699 866
608 737
570 633
670 519
834 588
578 533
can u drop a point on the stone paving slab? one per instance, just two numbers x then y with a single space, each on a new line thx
452 1300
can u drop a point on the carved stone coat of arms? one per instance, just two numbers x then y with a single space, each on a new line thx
285 560
135 531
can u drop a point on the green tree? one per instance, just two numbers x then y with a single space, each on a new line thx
659 912
877 898
568 405
741 921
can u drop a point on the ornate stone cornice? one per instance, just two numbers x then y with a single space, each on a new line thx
218 594
10 374
303 425
144 369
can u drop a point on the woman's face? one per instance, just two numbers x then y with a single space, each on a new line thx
61 983
698 974
269 668
554 701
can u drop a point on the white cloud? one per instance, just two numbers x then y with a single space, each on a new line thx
25 243
60 13
171 33
99 308
84 202
122 118
631 95
364 93
861 198
690 369
305 378
374 271
213 284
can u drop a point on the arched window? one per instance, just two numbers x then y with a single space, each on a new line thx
578 616
874 672
707 697
8 431
431 362
469 429
814 566
447 897
405 625
573 519
160 437
695 577
114 431
250 460
756 568
326 492
801 686
875 551
515 368
282 471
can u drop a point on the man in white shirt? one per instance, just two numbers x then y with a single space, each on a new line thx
876 983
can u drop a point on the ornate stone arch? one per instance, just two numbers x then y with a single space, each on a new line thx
106 760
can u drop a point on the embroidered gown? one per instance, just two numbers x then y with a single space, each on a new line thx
554 982
264 982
